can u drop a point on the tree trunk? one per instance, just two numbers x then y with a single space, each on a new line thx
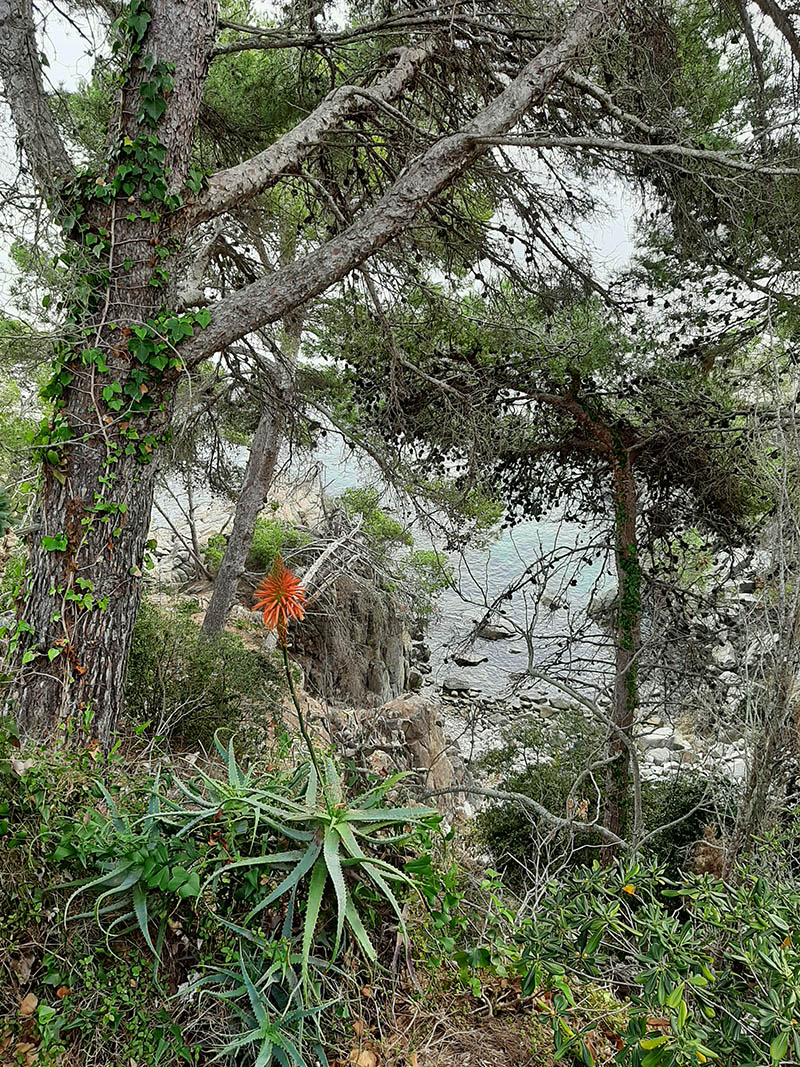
628 642
113 387
257 482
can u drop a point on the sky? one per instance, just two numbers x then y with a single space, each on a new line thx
69 50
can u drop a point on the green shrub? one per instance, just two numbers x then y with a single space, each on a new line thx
12 582
511 833
273 536
381 528
214 550
710 970
270 537
256 877
185 685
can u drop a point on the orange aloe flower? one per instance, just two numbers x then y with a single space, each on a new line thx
281 597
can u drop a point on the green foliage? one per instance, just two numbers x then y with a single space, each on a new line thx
715 962
384 531
181 683
214 550
275 874
424 573
271 537
513 834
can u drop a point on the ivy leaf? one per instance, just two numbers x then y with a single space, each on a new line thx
55 544
202 318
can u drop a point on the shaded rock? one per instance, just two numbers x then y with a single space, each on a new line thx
455 685
426 749
415 680
355 647
490 632
469 661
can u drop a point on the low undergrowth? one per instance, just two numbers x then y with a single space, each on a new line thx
179 912
196 911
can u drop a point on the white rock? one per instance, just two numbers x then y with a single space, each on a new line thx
738 769
724 655
659 756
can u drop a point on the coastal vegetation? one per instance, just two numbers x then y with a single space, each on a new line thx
399 534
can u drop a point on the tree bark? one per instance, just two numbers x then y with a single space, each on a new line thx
258 478
21 72
628 642
113 408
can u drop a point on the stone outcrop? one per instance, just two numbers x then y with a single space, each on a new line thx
353 644
405 734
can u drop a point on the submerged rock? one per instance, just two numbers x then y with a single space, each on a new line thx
489 631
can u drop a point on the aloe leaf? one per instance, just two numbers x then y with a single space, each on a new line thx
387 816
289 1049
85 886
316 888
361 935
140 908
330 851
265 1055
333 784
311 787
291 879
255 1000
130 879
270 860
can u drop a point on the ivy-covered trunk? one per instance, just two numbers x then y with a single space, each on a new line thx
628 642
113 384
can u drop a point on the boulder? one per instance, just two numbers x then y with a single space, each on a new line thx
426 749
659 756
454 685
415 680
490 632
738 769
469 661
662 738
724 656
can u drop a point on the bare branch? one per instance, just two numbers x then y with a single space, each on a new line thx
21 75
603 144
573 825
267 299
783 23
229 188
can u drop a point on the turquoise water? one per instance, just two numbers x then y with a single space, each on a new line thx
547 616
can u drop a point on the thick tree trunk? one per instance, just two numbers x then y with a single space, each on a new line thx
114 386
257 482
628 642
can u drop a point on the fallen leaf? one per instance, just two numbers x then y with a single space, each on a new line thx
366 991
21 766
413 1060
28 1005
359 1027
63 991
367 1059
